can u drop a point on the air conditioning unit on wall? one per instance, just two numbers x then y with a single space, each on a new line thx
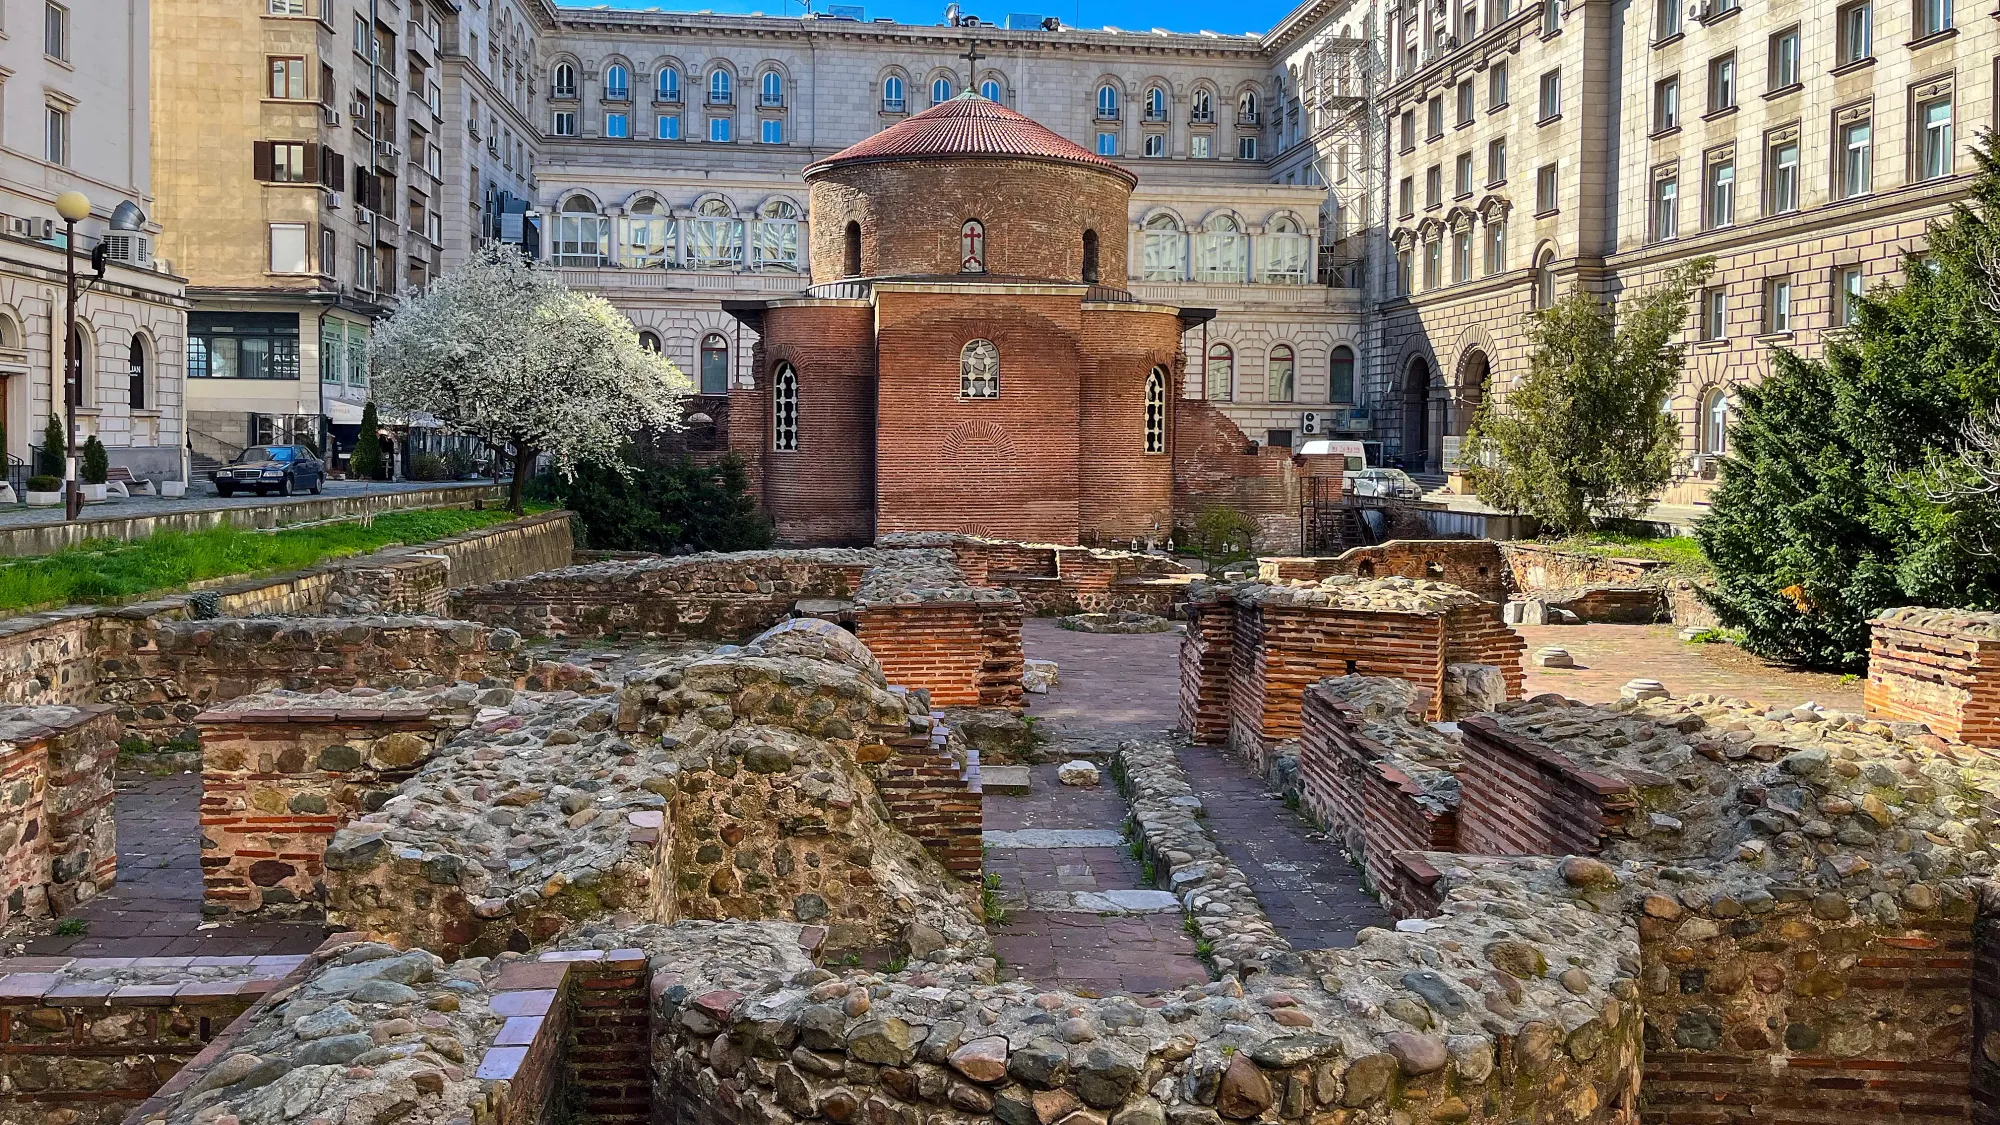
1311 422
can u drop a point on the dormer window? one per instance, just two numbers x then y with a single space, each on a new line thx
972 247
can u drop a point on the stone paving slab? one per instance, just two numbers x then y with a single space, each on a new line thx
1054 838
1013 780
1113 686
1096 955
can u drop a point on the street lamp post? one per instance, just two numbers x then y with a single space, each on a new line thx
74 207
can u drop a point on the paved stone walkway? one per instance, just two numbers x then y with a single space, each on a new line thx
202 497
1110 686
154 910
1309 890
1610 655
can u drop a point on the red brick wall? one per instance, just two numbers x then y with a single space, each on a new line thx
1476 634
1940 676
1004 467
1212 469
911 212
56 806
1522 798
1362 799
929 797
1126 493
824 491
965 654
729 599
1207 652
609 1073
1280 650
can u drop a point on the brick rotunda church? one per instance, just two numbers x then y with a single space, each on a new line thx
956 364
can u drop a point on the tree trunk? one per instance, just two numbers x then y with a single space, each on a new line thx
524 456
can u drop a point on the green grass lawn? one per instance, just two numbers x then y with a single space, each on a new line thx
108 570
1680 552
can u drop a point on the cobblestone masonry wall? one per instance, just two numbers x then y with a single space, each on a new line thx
1471 564
48 659
1940 668
1535 566
1055 580
58 839
84 1041
279 781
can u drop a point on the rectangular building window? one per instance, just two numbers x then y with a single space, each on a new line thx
1433 188
1496 248
1720 194
563 123
288 248
1461 255
1462 180
288 78
1854 148
1850 279
1496 162
1434 118
357 355
668 127
1155 145
1433 264
1409 130
1545 189
1465 107
243 345
55 135
615 126
1778 304
773 132
1246 148
1551 99
1406 197
1552 16
1666 19
1933 17
1722 83
332 352
1783 63
329 250
1403 279
1107 144
1714 314
55 31
285 162
1781 172
1496 86
1198 146
1934 155
1667 104
1854 31
1666 206
719 129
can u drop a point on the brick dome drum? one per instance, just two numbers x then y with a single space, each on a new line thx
967 126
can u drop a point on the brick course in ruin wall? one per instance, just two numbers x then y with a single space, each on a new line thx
1937 668
1372 807
58 840
1522 798
277 783
965 655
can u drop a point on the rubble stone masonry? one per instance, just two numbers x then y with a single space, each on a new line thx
58 840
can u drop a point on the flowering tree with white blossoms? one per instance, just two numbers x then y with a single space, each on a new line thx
508 353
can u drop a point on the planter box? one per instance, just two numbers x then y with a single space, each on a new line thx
45 499
94 493
173 489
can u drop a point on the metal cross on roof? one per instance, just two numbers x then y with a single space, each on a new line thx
972 57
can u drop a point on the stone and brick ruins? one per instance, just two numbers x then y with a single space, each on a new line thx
698 840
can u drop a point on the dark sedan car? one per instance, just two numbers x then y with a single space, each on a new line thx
283 469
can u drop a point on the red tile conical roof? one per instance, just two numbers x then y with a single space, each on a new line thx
968 125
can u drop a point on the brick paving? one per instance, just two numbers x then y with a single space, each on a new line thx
1109 687
1610 655
154 910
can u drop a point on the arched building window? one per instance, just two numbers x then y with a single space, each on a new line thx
940 90
714 364
563 83
1340 375
649 340
719 87
1156 104
1107 102
892 94
1246 108
135 370
617 83
1156 411
990 90
1545 280
785 410
669 85
773 93
1221 372
776 243
1278 371
1090 255
1201 107
972 247
979 370
1223 252
583 237
1715 422
1287 253
1163 254
850 259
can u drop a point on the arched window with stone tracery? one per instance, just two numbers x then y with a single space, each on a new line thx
785 410
979 370
1156 411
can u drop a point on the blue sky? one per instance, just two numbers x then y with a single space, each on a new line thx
1132 15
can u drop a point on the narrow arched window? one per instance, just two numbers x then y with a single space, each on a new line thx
563 84
714 364
718 87
650 341
1107 102
972 247
1156 104
669 84
892 94
1221 372
617 83
785 410
1201 108
1246 108
940 90
1090 255
1156 411
135 368
774 89
1545 280
850 265
1278 371
1340 386
979 370
990 90
1715 422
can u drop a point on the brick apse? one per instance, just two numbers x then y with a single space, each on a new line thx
957 365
